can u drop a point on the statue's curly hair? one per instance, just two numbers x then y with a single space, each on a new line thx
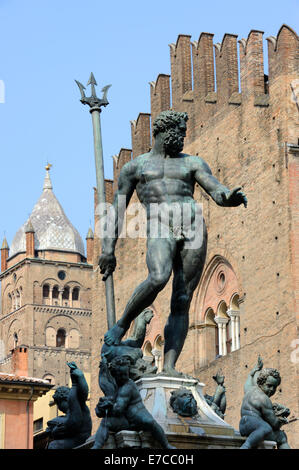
265 373
119 361
61 393
168 119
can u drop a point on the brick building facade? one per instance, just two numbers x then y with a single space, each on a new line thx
244 123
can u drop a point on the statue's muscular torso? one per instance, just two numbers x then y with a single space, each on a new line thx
166 180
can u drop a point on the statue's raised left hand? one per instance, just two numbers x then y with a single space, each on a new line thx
234 198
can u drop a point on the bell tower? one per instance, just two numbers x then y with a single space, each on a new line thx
46 293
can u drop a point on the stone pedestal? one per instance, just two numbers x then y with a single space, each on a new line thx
206 430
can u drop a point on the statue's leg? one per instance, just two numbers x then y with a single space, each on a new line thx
145 422
67 443
101 434
188 266
282 440
159 259
256 430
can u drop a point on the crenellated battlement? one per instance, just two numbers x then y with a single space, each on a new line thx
283 53
181 69
203 66
124 156
205 80
252 63
160 95
141 135
227 75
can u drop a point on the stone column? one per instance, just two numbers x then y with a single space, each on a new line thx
222 322
158 358
235 319
60 295
71 297
50 296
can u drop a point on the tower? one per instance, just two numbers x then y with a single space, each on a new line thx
45 294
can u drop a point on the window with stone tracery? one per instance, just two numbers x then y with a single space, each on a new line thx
217 312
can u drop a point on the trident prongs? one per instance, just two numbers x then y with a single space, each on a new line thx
93 101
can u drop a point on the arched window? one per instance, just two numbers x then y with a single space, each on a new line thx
147 353
75 293
15 340
60 338
211 335
66 293
157 352
9 303
55 295
229 336
46 291
234 313
224 329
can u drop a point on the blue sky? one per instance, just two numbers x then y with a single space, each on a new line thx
46 44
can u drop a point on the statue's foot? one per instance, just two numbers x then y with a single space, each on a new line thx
114 335
171 372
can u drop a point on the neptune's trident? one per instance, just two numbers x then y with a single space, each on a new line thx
95 105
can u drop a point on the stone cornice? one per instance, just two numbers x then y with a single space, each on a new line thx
56 309
44 261
53 349
52 309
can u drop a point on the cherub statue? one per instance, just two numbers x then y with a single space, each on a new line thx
131 348
74 428
218 401
260 419
122 407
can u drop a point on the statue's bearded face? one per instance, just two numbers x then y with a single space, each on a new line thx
189 404
185 404
174 139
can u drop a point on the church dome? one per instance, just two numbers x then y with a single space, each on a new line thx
52 229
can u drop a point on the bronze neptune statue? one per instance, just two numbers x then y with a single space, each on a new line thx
166 177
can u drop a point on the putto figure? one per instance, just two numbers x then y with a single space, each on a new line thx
122 407
218 401
165 178
131 348
74 428
260 419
